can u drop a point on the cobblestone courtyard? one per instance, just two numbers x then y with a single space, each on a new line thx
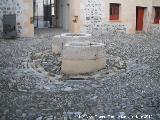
113 93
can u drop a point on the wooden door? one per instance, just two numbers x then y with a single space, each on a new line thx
139 18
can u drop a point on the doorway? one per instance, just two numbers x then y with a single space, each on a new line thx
9 26
139 18
51 14
43 11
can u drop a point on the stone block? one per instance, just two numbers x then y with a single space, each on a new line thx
83 57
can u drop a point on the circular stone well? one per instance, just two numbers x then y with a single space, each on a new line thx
83 57
60 40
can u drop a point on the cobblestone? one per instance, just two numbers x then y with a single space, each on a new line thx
33 87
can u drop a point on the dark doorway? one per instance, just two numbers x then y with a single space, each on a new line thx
46 12
43 13
51 14
9 26
139 18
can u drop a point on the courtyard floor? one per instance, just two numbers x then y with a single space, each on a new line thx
30 92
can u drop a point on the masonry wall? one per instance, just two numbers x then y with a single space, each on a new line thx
24 14
93 16
128 13
154 28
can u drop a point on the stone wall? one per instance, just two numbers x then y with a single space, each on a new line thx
92 15
24 12
116 27
155 29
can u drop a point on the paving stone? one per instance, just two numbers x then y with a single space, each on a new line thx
26 93
39 118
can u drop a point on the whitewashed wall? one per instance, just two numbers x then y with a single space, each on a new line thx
23 10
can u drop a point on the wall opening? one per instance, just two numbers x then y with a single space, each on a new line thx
140 18
43 11
51 14
114 11
9 26
157 15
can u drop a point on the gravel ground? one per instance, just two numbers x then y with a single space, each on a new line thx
33 88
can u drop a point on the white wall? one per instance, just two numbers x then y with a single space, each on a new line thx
64 20
39 8
24 12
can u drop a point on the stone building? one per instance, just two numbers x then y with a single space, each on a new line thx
129 16
16 18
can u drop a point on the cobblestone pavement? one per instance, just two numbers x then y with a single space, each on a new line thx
113 94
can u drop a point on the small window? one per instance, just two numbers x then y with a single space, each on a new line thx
157 15
114 11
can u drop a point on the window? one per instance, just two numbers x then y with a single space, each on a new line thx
114 11
157 15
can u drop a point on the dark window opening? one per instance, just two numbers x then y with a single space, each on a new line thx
157 15
114 11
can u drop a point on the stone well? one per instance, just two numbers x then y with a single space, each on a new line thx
83 57
60 40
